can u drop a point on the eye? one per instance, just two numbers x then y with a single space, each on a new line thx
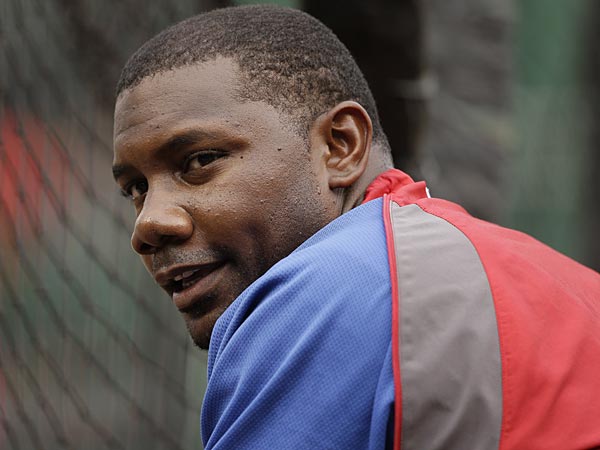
135 190
201 159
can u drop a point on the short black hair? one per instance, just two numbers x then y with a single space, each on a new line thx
287 59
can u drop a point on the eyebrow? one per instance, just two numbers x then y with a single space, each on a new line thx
176 142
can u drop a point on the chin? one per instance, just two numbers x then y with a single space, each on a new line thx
200 326
200 334
202 343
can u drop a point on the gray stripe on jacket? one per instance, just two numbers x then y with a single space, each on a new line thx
449 351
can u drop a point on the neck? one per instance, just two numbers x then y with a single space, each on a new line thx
355 194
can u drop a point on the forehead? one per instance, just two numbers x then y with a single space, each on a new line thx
198 90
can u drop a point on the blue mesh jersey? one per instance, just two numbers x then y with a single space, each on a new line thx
302 358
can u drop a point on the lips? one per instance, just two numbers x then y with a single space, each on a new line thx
188 284
186 279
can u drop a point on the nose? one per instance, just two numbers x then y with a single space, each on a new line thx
159 223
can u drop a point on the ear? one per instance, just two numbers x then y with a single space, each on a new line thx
344 132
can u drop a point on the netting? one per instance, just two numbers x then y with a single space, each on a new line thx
92 355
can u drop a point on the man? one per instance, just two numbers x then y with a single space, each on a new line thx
341 306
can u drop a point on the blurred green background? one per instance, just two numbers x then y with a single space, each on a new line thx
494 103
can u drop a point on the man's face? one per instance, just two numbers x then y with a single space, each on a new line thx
222 188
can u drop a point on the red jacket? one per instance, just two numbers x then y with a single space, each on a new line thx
496 335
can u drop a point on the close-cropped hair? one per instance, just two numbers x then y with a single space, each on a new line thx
286 58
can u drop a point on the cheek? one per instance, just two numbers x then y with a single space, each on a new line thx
262 212
294 214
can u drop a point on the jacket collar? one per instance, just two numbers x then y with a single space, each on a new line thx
393 181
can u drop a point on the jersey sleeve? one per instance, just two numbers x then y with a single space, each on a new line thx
302 358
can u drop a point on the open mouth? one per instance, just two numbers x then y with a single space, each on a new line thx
190 277
186 279
189 284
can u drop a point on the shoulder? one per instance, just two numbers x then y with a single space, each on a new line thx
345 260
278 353
513 258
536 310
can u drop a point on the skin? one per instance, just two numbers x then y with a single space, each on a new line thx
225 187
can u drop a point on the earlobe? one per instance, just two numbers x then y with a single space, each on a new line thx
347 131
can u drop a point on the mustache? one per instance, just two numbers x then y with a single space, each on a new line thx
171 256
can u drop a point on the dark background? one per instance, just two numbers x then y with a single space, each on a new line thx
494 103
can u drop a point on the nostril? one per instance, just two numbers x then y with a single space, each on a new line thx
140 246
146 249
